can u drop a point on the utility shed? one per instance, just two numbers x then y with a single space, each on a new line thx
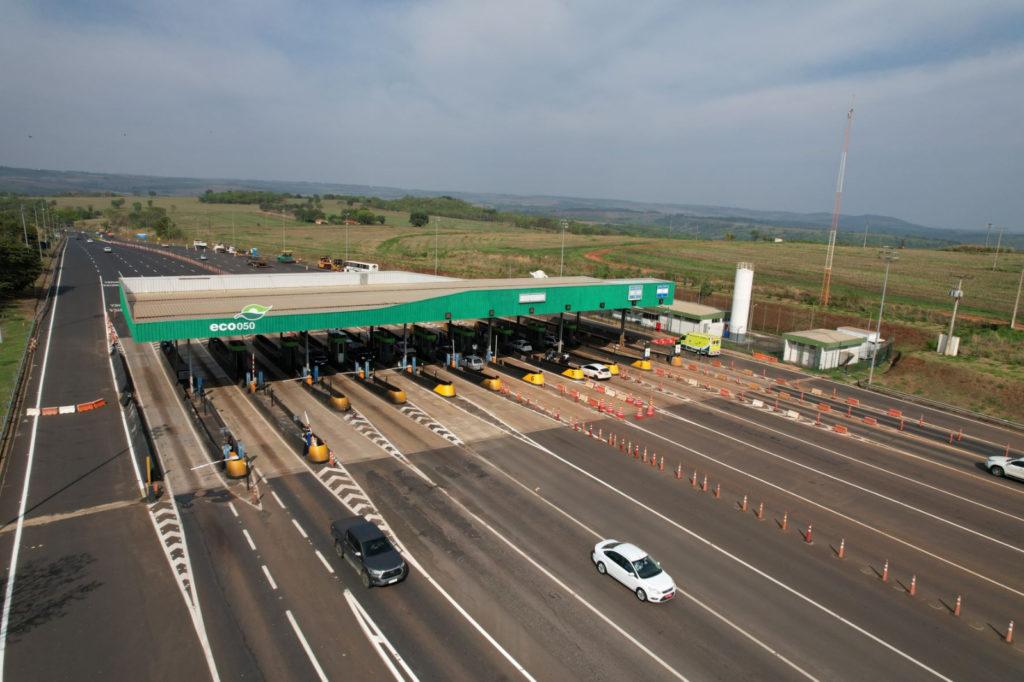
869 339
821 348
684 317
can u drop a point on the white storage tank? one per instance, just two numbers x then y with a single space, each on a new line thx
741 293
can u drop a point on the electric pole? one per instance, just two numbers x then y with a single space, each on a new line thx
561 261
999 243
24 229
888 255
987 235
1016 301
956 293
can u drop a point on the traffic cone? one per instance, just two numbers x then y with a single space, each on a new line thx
679 472
650 408
693 479
718 490
661 464
842 549
885 572
640 415
913 585
704 484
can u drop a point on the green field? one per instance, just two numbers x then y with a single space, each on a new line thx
786 283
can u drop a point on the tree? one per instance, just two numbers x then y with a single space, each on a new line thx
381 219
117 203
152 193
705 290
19 267
418 218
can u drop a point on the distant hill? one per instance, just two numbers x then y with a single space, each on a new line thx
677 220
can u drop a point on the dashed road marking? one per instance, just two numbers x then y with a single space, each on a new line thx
248 538
270 578
327 565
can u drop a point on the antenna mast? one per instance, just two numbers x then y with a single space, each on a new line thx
826 283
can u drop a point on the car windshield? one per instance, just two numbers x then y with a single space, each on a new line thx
377 546
646 567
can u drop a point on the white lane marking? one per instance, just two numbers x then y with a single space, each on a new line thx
9 591
599 536
277 499
299 528
327 565
191 602
270 578
833 477
807 500
231 506
248 538
384 648
775 581
306 647
113 382
972 476
409 557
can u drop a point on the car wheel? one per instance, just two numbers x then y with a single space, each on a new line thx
339 549
600 568
997 471
640 594
365 577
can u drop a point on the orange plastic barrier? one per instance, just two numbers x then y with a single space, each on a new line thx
871 420
839 428
824 407
852 401
895 413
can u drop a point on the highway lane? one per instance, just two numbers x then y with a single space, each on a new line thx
834 583
949 472
411 614
992 436
546 627
81 511
786 486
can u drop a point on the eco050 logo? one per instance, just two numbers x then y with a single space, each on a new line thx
247 316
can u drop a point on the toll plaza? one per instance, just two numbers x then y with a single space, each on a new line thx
197 307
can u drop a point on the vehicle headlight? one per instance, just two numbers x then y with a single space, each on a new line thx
376 573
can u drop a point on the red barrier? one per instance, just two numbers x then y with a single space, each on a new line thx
839 428
871 421
895 413
824 407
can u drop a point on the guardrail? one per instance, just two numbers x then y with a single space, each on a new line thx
17 391
939 405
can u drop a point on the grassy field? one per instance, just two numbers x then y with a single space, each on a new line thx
15 322
786 283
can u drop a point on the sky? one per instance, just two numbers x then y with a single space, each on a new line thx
721 103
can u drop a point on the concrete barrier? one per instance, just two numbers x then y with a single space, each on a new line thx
792 414
757 403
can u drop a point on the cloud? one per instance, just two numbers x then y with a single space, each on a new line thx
732 103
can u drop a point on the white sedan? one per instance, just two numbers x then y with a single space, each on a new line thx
596 370
1006 466
635 569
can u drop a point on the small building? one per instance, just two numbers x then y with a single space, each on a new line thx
821 348
869 340
684 317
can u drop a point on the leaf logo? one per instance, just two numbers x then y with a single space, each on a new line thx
253 312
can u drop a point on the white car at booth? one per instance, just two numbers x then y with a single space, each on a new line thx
635 569
596 370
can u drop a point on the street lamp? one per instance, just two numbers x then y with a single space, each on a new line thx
561 261
888 255
436 221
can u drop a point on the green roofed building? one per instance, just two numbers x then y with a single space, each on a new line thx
168 308
821 348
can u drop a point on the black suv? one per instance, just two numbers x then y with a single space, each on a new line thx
369 551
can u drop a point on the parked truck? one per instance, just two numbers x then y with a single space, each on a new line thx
198 244
702 344
325 263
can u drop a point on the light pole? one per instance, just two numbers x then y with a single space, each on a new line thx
561 261
436 221
888 255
